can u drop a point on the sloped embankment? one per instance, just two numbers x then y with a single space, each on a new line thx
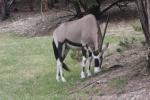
123 76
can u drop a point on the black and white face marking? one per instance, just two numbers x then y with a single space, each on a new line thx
97 61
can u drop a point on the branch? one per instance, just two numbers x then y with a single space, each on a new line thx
84 5
110 6
77 8
85 86
9 4
98 2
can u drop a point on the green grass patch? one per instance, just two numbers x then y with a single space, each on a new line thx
27 70
136 26
112 39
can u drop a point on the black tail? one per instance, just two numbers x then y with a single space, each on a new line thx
65 67
57 55
55 50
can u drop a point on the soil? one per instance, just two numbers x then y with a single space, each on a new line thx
34 24
129 66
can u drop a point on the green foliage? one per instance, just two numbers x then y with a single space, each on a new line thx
112 39
137 26
119 50
127 42
124 43
143 43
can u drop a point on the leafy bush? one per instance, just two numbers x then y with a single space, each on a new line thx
124 43
137 27
127 42
119 50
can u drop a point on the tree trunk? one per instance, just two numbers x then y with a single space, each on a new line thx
148 13
5 6
4 12
83 4
30 2
51 3
44 5
144 14
77 8
148 16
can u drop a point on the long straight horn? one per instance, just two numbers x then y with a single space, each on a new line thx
108 17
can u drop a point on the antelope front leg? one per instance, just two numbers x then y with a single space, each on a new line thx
60 62
58 71
84 52
89 64
62 75
59 74
83 67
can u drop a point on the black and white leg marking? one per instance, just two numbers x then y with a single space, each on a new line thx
55 49
83 62
96 57
59 74
65 51
89 61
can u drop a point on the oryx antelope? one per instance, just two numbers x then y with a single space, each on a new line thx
83 33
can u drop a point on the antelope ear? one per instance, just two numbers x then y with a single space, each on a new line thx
105 48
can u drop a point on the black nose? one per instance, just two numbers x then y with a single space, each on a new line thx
96 62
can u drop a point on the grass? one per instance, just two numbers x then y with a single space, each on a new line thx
125 42
118 83
27 70
136 26
113 39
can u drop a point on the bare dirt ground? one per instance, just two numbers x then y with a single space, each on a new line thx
124 77
124 74
33 24
39 24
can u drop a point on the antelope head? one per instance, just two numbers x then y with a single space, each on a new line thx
98 58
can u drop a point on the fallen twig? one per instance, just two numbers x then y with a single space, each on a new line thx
85 86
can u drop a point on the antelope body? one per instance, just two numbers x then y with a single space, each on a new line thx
83 33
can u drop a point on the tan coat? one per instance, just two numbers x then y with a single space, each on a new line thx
83 31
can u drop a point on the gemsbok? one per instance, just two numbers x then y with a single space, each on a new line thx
85 34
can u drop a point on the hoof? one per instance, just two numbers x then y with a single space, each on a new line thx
96 70
82 75
57 78
89 74
63 79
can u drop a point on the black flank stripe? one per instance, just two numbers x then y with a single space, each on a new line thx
73 44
